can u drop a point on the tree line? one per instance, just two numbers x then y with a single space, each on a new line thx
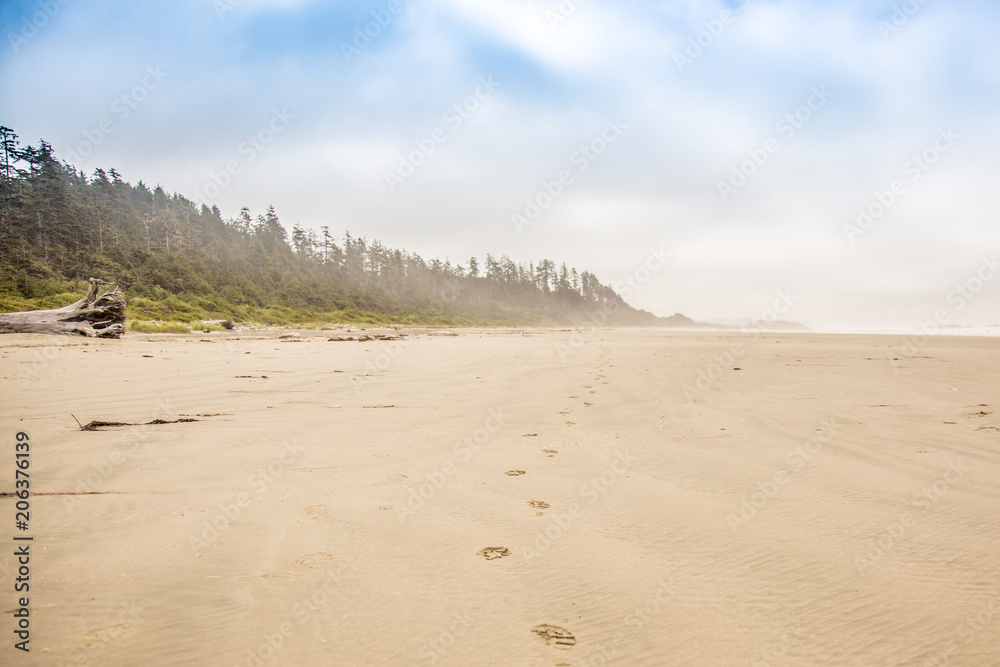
58 224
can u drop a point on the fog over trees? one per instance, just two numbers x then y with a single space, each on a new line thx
174 258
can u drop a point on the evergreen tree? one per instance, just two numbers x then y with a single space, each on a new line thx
57 225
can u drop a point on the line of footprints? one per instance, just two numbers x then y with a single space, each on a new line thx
553 635
601 377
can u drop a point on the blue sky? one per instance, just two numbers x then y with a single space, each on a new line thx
706 161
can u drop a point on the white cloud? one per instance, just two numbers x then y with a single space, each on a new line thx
656 185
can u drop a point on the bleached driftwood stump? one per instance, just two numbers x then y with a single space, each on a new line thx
100 316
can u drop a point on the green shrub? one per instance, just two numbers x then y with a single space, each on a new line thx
154 327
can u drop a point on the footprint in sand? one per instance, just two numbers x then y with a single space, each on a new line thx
102 635
492 553
555 636
514 473
538 504
314 512
530 435
312 561
550 452
393 479
307 562
570 423
588 404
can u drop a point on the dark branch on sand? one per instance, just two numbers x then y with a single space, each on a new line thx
101 425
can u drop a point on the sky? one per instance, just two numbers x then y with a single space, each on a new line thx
836 157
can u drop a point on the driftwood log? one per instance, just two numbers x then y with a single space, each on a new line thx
101 316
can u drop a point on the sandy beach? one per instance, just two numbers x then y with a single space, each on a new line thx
506 497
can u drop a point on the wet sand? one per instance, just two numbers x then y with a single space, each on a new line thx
616 497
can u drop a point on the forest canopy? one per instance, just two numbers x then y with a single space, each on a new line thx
177 261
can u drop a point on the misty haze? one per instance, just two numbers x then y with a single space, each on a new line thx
556 333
